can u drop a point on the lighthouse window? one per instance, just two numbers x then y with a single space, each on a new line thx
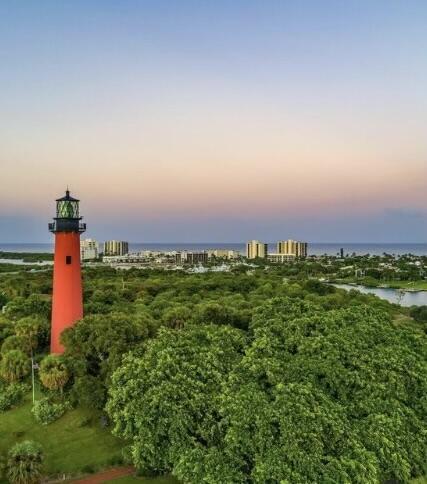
68 259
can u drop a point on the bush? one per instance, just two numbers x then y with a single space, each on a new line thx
53 372
88 391
14 365
419 313
24 463
13 343
115 460
88 469
11 395
46 412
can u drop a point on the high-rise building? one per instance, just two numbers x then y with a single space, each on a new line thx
89 249
67 298
255 249
116 247
292 248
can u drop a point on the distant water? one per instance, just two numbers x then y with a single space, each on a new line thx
395 296
313 249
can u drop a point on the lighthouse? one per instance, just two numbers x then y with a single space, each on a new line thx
67 299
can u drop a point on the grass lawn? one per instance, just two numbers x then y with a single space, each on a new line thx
414 285
68 445
417 285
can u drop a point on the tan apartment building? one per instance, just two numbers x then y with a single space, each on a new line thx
255 249
292 248
116 247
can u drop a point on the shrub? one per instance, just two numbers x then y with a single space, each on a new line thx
11 395
14 365
88 469
13 343
53 372
46 412
88 391
24 463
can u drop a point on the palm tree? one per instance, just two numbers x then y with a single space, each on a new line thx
14 365
53 372
24 463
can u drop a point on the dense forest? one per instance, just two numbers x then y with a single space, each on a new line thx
259 375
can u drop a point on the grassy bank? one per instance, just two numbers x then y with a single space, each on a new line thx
420 285
27 256
74 444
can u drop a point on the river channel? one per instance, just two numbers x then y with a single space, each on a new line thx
395 296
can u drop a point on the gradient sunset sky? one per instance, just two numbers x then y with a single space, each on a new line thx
219 121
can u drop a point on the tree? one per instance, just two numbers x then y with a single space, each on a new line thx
14 365
166 401
14 343
88 391
34 330
214 313
34 305
3 299
102 340
177 316
419 313
24 463
320 396
53 372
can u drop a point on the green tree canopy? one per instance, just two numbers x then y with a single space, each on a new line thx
166 401
102 340
321 396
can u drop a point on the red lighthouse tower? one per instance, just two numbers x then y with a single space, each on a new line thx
67 301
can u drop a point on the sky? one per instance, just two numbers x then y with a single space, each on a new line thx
220 121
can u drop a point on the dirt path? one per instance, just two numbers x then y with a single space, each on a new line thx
105 476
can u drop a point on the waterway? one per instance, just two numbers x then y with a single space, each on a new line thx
20 262
395 296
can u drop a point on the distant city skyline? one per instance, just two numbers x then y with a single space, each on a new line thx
222 121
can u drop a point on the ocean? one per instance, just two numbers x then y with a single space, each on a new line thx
313 248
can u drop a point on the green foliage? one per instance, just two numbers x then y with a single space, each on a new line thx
177 316
89 392
102 340
265 375
319 396
24 463
53 372
33 330
215 313
177 381
14 365
11 395
45 411
67 444
3 299
34 305
419 313
14 343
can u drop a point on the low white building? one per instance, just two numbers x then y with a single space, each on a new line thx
281 257
224 254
